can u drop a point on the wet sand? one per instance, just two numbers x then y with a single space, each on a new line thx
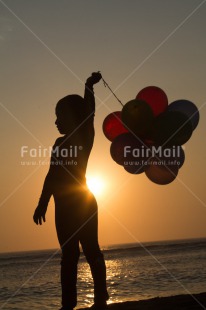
180 302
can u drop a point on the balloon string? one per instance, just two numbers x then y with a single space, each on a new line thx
106 85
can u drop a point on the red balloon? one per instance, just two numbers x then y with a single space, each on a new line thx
112 125
155 97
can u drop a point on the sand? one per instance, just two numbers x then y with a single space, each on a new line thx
180 302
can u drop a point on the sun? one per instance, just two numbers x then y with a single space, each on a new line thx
96 185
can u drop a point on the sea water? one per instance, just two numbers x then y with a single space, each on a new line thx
31 280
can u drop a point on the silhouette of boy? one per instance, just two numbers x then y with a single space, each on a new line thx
76 216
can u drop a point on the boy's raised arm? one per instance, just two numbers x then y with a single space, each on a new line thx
89 91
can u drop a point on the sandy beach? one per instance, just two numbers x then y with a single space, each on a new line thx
180 302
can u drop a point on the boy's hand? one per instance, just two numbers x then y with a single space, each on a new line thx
94 78
39 214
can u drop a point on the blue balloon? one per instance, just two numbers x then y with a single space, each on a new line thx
188 108
172 128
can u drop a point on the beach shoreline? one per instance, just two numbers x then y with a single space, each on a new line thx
177 302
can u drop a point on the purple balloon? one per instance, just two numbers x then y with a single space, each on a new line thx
134 169
161 174
128 150
168 156
181 158
188 108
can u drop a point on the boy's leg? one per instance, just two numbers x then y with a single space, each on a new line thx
90 246
69 261
67 233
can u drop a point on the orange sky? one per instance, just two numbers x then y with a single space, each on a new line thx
48 49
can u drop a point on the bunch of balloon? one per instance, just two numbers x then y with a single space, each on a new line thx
148 134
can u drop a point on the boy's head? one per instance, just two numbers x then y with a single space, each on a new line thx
71 113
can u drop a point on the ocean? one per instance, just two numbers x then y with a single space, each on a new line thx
31 280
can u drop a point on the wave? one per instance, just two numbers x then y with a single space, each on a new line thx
160 248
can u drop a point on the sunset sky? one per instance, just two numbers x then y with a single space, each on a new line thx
47 50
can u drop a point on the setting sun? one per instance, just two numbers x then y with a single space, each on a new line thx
96 185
